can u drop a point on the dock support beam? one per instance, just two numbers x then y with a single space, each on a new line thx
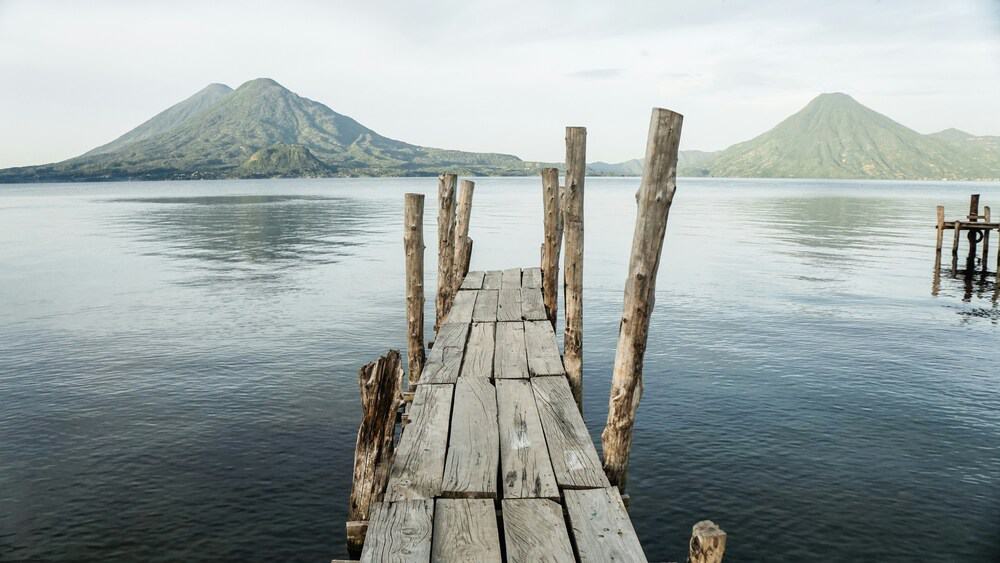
576 166
553 223
463 244
970 261
413 245
708 543
656 192
940 237
446 245
986 240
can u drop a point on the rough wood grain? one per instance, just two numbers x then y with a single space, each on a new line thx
552 244
601 528
462 307
462 241
486 306
576 166
493 279
413 247
542 350
708 543
531 278
574 457
478 360
511 279
446 245
510 358
473 280
419 464
400 532
535 532
524 458
509 305
532 306
465 531
444 361
656 192
474 445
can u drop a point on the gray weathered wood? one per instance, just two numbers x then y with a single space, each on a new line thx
542 350
524 458
509 305
532 307
531 278
656 192
462 241
576 166
473 280
478 361
552 244
462 307
419 464
486 306
510 358
400 532
465 531
574 457
493 279
474 446
535 532
446 245
413 247
444 361
940 237
511 279
601 527
708 543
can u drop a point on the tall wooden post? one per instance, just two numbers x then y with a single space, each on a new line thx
446 245
940 237
970 261
413 244
986 239
708 543
576 166
656 192
553 221
954 247
463 243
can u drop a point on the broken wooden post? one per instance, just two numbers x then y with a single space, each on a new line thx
380 399
708 543
463 243
552 243
656 192
954 246
970 261
413 244
446 245
940 236
986 239
576 166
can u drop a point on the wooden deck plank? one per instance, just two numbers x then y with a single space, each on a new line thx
524 457
420 456
532 306
531 278
474 445
574 457
444 360
473 280
543 352
465 531
399 532
601 526
486 306
493 279
511 279
462 308
535 532
509 305
478 359
510 359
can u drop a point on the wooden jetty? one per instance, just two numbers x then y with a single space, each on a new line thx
977 227
494 462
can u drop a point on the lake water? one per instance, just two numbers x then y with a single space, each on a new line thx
178 364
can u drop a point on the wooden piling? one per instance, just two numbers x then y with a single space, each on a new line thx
986 239
954 246
413 244
656 192
940 237
970 261
553 241
708 543
380 399
463 243
446 245
576 165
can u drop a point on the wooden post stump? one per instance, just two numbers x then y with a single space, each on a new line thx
940 237
413 244
576 166
446 245
463 244
708 543
970 261
380 399
986 239
553 223
656 192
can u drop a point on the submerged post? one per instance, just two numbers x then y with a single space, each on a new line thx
446 245
708 543
553 241
463 244
940 237
413 245
986 240
656 192
970 261
576 165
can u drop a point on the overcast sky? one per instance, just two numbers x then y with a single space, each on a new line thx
498 76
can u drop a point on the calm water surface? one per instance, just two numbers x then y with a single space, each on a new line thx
178 364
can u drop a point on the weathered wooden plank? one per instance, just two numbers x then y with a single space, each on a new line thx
474 445
532 306
510 358
478 361
574 457
462 307
601 527
444 361
509 305
531 278
493 280
535 532
524 458
465 530
419 464
511 279
473 280
400 532
486 306
543 352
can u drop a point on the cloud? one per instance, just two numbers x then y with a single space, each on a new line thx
597 73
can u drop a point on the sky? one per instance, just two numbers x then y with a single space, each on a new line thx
498 76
